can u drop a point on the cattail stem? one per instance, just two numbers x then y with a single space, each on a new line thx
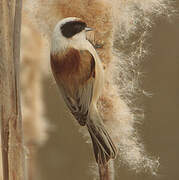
10 114
106 172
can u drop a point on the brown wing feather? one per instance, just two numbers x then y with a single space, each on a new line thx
74 72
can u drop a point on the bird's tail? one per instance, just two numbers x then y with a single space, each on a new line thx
103 146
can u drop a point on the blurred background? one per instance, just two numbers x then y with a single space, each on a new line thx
66 155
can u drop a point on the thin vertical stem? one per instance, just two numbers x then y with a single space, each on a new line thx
106 172
10 113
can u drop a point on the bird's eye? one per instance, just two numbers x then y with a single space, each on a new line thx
78 28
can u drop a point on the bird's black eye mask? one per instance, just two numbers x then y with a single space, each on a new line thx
69 29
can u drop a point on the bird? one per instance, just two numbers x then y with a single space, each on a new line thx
79 74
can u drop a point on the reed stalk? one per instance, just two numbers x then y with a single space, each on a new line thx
13 159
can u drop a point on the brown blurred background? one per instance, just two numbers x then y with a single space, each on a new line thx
66 156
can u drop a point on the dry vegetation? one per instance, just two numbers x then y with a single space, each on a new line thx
10 110
121 28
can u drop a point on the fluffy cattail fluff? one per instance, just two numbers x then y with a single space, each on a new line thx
35 126
121 27
32 70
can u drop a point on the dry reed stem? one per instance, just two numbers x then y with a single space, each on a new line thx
104 172
10 115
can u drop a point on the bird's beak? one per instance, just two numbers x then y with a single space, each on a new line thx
88 29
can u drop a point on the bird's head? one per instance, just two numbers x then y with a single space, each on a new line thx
69 32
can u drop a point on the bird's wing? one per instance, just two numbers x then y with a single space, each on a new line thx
77 84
